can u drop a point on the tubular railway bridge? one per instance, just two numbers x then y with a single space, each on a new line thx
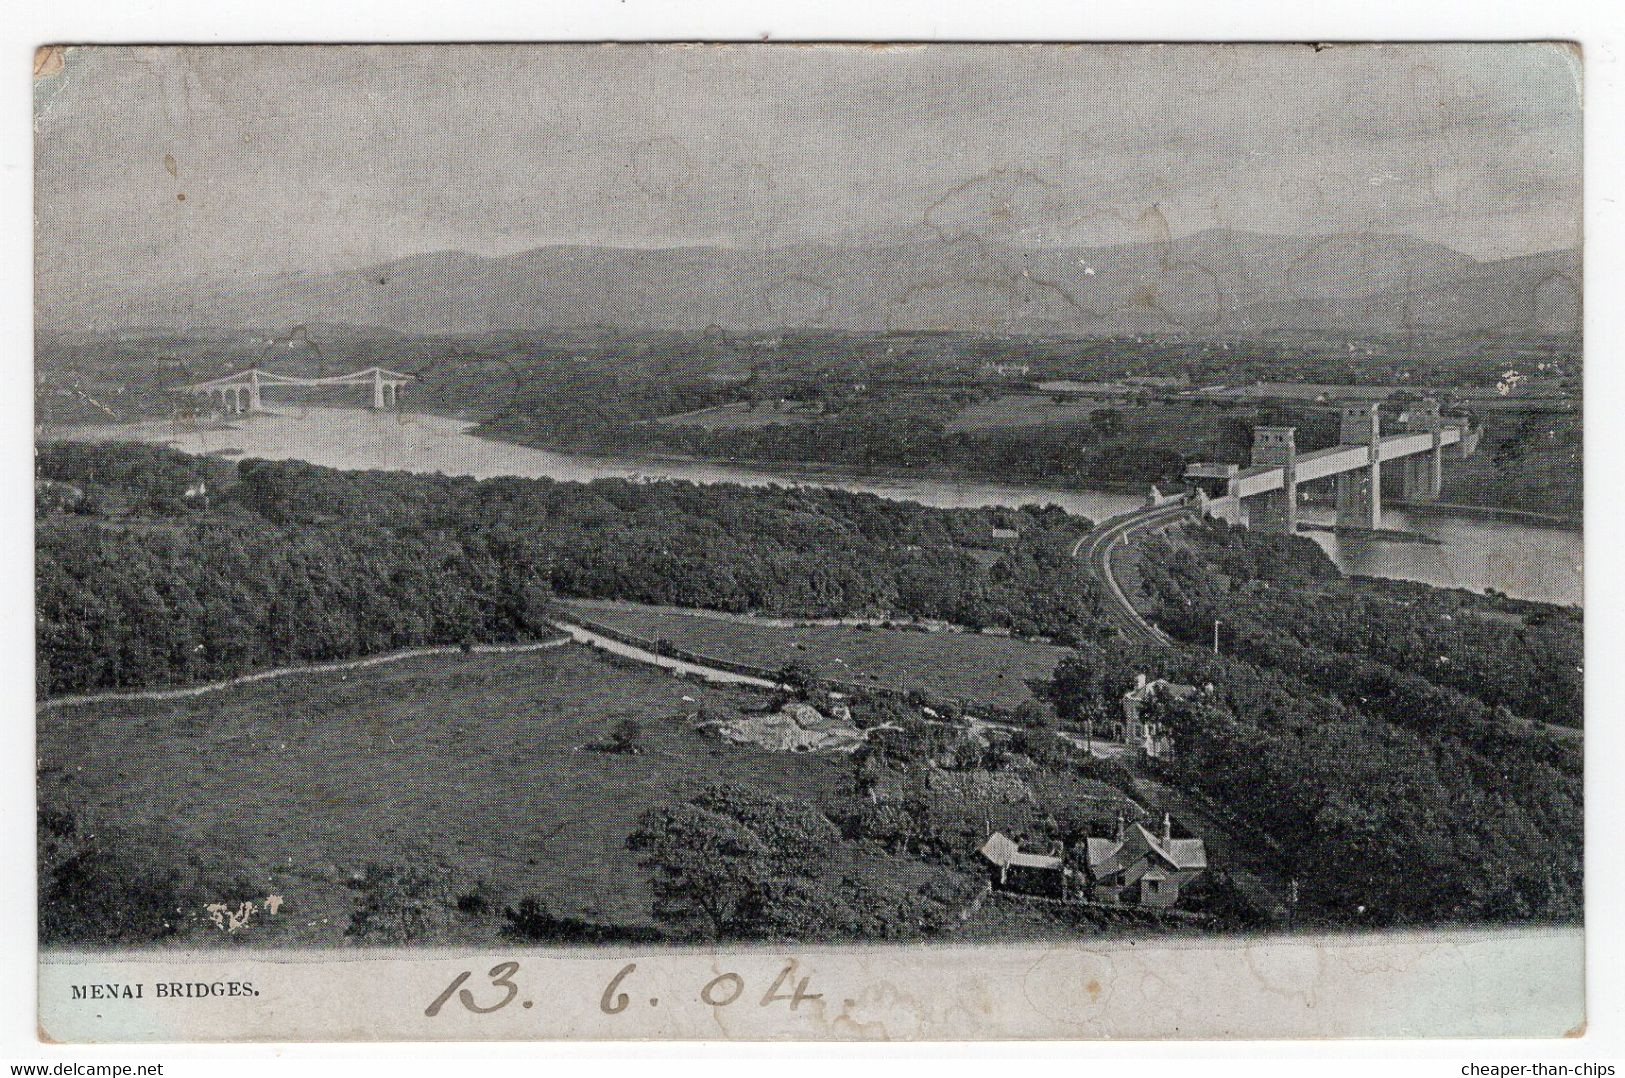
1265 493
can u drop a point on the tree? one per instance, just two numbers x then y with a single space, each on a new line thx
626 736
798 678
1041 746
1107 422
1034 713
96 888
898 827
731 863
402 903
1216 894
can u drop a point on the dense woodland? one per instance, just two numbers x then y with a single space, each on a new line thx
141 585
1410 739
872 428
1381 821
1423 656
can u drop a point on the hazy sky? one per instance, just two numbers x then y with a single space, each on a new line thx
326 157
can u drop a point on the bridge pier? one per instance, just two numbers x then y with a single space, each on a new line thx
1276 510
237 399
1419 479
385 393
1233 509
1423 476
1359 493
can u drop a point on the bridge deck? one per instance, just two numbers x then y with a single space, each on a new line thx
1324 463
267 379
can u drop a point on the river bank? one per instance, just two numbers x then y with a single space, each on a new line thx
1495 512
1524 559
838 475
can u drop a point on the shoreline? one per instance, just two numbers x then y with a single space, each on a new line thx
834 473
1558 521
813 472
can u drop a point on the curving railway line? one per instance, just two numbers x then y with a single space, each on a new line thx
1096 549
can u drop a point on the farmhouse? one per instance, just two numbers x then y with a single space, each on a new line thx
1144 735
1143 869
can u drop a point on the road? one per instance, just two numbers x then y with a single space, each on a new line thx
1096 550
583 635
299 669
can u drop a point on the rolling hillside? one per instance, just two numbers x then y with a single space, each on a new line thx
1208 282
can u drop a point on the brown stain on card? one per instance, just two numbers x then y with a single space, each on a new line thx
48 60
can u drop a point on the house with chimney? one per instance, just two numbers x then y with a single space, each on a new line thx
1140 867
1141 733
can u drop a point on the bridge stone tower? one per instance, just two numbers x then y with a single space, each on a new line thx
386 388
1276 511
1359 492
254 404
1423 475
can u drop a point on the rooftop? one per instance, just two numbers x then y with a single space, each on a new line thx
1003 851
1107 856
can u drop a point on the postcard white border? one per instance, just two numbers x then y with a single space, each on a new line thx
424 20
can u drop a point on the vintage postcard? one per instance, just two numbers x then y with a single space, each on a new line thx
822 541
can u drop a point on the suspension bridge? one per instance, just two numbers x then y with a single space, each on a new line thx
243 391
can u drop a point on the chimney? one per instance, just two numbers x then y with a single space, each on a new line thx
1120 825
1167 827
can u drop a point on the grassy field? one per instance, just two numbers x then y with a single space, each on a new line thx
297 783
1170 424
1024 410
987 670
740 415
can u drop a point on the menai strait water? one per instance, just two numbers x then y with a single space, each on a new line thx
1520 559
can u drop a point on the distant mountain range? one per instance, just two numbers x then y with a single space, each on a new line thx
1209 282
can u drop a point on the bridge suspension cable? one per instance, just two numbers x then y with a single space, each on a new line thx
241 391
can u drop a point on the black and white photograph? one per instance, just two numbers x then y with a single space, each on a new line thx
1119 503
